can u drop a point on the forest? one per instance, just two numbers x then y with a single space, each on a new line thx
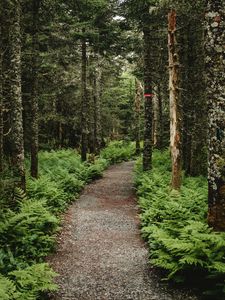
86 85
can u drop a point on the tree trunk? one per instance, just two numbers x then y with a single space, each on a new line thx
137 106
175 103
34 92
14 77
1 100
193 97
160 123
215 64
84 124
97 107
156 119
147 152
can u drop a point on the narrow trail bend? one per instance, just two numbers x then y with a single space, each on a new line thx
100 254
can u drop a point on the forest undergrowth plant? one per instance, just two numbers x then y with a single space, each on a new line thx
175 226
118 151
29 222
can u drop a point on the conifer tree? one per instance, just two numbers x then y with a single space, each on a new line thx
14 81
215 65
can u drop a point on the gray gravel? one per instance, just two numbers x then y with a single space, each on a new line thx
100 254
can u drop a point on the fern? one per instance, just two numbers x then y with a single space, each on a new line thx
174 224
19 195
32 281
7 288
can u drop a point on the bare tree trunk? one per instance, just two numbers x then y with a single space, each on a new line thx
34 92
14 77
84 128
147 153
137 106
175 103
215 53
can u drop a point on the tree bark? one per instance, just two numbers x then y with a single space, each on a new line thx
159 144
137 106
193 97
14 77
215 65
147 152
34 92
97 107
84 124
1 99
175 103
157 113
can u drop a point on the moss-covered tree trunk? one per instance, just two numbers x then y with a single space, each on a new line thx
14 81
84 105
215 66
148 94
175 103
34 92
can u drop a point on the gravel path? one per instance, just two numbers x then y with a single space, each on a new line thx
100 254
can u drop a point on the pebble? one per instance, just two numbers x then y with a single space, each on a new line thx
101 255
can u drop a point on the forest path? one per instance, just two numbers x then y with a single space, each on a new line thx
100 254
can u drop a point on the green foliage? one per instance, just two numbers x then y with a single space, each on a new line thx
29 224
118 151
174 224
26 236
33 281
27 284
7 288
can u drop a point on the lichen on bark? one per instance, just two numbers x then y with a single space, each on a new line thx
215 65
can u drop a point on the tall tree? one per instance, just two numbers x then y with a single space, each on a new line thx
14 81
137 107
97 105
34 91
84 106
215 64
147 152
175 102
1 97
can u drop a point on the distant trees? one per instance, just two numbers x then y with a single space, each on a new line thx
61 83
59 61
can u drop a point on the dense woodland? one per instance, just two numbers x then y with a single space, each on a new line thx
88 83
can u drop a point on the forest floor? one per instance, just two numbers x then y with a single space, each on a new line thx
100 254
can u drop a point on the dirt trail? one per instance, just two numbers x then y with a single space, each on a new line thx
100 254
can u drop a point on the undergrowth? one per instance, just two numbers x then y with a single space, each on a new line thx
29 223
175 226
